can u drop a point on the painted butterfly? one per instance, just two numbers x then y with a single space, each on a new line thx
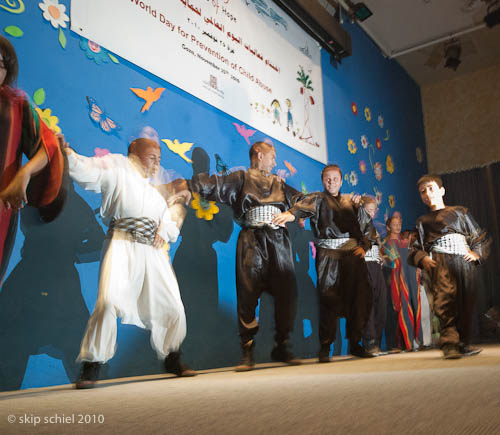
223 168
98 116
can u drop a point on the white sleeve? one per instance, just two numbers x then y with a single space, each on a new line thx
91 173
168 228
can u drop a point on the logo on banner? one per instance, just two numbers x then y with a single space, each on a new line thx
211 85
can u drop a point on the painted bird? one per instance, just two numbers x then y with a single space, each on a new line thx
290 167
179 148
149 95
245 132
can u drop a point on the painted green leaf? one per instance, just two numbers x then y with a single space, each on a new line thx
62 38
39 96
14 31
113 58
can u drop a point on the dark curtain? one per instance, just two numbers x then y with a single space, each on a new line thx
479 190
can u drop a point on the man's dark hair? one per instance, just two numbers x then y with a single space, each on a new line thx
429 178
9 61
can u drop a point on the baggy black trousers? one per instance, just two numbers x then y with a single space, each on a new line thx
343 291
264 262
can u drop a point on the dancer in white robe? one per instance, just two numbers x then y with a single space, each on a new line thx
136 279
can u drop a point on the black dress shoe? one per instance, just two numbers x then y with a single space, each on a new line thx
174 365
360 352
88 375
281 353
324 353
469 351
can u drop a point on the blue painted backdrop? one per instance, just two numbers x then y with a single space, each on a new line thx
374 123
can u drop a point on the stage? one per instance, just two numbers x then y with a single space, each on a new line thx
405 393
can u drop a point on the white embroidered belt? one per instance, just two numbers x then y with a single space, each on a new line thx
454 244
373 254
261 216
334 243
140 230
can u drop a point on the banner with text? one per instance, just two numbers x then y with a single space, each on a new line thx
244 57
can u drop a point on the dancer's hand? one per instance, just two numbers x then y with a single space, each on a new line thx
359 252
281 219
158 241
428 263
356 200
184 196
63 144
471 256
14 195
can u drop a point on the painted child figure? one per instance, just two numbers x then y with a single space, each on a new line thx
450 245
136 280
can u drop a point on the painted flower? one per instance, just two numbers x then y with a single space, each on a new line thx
364 141
378 196
377 169
353 178
420 154
368 114
389 164
54 12
49 119
354 108
352 146
380 121
204 209
378 143
94 51
392 201
362 166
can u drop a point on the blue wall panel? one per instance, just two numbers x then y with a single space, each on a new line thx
51 284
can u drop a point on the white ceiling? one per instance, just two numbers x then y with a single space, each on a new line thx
399 26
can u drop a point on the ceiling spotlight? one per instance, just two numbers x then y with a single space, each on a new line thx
361 11
452 53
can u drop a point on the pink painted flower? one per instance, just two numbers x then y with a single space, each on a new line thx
362 166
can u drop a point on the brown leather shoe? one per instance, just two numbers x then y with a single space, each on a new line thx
247 362
451 351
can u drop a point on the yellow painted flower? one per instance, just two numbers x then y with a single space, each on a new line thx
352 146
368 114
204 209
392 201
389 164
49 119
